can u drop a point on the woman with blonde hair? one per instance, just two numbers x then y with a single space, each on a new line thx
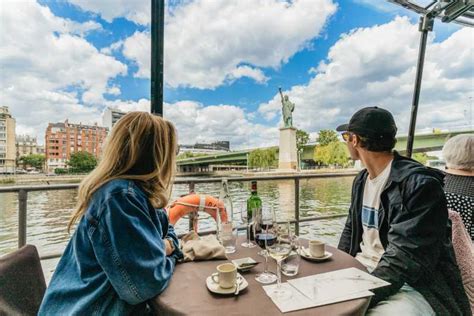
123 251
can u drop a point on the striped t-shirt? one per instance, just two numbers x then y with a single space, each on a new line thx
371 247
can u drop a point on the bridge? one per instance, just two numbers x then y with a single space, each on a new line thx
423 143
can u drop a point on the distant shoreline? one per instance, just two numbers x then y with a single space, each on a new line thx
26 179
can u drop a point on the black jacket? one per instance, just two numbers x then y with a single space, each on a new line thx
416 234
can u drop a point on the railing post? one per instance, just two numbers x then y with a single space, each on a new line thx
297 206
22 205
193 215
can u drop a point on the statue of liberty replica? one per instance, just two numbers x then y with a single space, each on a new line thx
287 156
287 110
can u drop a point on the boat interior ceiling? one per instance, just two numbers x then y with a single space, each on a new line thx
457 11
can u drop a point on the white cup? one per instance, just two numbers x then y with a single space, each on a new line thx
225 276
316 248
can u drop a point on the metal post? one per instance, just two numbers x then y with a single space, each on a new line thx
297 206
426 25
193 216
22 204
157 47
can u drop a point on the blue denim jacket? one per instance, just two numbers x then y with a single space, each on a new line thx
116 258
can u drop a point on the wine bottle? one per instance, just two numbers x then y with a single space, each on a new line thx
254 204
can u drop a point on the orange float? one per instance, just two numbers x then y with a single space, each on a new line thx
196 202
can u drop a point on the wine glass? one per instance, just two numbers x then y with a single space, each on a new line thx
249 221
279 250
265 238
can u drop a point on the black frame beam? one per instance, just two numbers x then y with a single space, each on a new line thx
157 53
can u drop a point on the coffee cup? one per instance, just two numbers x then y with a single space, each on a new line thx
316 248
225 276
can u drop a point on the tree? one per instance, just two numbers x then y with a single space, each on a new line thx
33 160
327 136
302 139
334 153
263 158
82 161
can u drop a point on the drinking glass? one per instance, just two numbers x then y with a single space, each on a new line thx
228 236
264 239
279 250
250 222
291 264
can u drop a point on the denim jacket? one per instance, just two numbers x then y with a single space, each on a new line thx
116 259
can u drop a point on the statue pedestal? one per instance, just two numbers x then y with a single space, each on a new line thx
288 159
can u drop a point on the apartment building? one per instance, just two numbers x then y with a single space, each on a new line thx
64 139
25 145
111 116
7 141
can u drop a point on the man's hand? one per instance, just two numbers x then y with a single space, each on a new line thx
169 247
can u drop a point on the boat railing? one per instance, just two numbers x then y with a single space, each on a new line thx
23 191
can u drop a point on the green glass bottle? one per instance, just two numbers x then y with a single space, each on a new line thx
254 204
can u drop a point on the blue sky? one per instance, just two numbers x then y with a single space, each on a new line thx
322 59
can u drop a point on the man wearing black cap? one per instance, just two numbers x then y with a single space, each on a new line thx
398 224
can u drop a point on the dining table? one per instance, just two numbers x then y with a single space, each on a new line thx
187 293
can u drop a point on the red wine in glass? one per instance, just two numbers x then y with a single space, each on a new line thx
264 239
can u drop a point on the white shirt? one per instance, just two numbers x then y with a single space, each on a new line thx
371 247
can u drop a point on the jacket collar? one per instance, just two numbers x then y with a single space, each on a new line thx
402 167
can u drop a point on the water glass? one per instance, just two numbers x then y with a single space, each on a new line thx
291 264
228 236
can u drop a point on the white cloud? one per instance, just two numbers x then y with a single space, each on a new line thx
376 66
208 43
198 123
137 11
49 71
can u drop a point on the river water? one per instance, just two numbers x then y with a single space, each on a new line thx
49 211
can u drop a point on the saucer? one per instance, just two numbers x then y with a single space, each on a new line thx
238 262
304 252
215 288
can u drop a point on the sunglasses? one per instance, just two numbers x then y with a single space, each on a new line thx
346 136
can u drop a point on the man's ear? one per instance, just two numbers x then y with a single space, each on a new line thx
355 140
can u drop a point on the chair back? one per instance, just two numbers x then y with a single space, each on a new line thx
464 250
22 283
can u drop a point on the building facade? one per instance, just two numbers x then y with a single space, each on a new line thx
64 139
111 116
25 145
203 148
7 141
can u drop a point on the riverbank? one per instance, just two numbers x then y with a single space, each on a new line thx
31 179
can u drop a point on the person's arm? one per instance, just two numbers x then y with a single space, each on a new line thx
130 249
346 236
345 241
172 237
415 236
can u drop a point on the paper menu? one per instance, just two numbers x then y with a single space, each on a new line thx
336 283
299 301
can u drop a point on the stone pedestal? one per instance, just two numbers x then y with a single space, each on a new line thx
288 159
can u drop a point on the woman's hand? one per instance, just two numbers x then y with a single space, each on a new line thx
169 248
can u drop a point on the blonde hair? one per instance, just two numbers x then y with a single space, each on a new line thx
458 152
141 147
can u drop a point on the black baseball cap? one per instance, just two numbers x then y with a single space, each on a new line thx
371 122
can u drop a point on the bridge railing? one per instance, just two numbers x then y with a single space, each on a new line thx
23 191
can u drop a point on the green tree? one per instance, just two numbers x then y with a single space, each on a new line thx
421 158
82 161
302 138
327 136
263 158
33 160
334 153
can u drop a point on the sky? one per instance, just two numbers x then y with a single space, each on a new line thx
224 62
